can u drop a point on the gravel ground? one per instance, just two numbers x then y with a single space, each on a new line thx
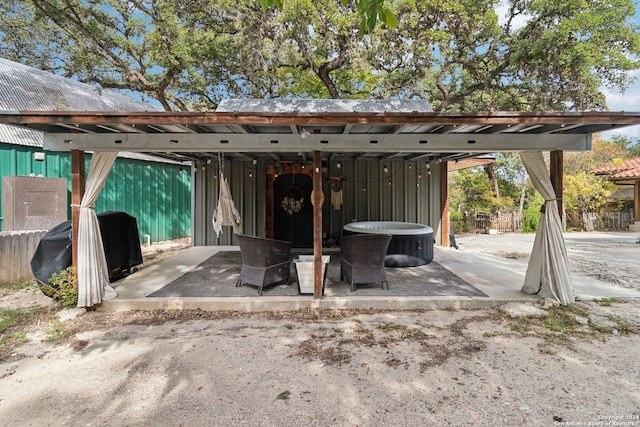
610 257
517 365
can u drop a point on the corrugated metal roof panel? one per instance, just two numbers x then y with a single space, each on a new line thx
324 106
20 136
30 138
27 88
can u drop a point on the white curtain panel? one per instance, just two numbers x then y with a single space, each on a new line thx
548 273
93 273
226 212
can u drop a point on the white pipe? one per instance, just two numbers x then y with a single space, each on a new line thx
148 237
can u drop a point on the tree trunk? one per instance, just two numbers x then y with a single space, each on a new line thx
494 181
523 194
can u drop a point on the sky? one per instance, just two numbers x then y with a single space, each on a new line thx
628 101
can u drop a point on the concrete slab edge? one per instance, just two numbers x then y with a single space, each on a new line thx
295 303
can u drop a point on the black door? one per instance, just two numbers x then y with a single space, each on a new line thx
293 213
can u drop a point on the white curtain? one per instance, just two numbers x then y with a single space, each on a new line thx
226 212
548 272
93 273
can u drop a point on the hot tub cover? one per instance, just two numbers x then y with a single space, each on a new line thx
388 227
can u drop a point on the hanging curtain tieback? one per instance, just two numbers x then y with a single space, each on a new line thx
542 208
74 205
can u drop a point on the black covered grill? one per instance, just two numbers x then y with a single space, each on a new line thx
120 241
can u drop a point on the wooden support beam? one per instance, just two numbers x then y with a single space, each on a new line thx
636 201
317 199
444 204
77 191
556 169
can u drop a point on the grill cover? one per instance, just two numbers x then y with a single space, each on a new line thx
119 238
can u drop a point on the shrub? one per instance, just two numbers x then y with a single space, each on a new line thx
531 215
63 287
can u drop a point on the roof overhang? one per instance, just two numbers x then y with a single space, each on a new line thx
191 135
470 163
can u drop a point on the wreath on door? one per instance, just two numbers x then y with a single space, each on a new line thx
292 199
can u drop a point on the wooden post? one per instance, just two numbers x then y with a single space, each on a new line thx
636 201
444 204
556 175
77 191
317 199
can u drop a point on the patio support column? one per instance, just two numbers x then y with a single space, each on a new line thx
317 199
444 204
635 227
636 201
77 192
556 174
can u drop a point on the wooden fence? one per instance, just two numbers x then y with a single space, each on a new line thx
512 223
607 221
16 250
485 223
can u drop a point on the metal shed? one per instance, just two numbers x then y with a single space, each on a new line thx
161 187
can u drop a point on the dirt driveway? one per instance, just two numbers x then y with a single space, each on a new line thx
518 365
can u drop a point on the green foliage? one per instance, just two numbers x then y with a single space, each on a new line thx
8 318
606 302
372 12
634 148
457 54
630 145
585 192
531 215
561 320
603 153
470 191
57 333
63 287
11 323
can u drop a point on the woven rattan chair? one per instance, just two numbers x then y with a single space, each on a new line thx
264 261
362 258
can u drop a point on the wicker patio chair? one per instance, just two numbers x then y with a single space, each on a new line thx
264 261
362 258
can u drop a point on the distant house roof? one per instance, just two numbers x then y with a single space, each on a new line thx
27 88
628 170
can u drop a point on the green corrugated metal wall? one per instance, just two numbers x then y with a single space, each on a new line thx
157 194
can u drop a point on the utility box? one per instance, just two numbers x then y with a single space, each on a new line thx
33 203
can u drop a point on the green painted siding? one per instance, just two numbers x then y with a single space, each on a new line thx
157 194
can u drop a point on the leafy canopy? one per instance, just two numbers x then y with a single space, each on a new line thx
371 11
459 54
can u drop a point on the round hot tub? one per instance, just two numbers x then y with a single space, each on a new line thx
411 243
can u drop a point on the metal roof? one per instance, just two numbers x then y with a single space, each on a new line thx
27 88
292 134
324 106
23 87
77 115
20 136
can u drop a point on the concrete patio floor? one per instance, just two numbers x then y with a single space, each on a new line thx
500 278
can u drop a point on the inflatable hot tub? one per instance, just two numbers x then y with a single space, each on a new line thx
411 244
